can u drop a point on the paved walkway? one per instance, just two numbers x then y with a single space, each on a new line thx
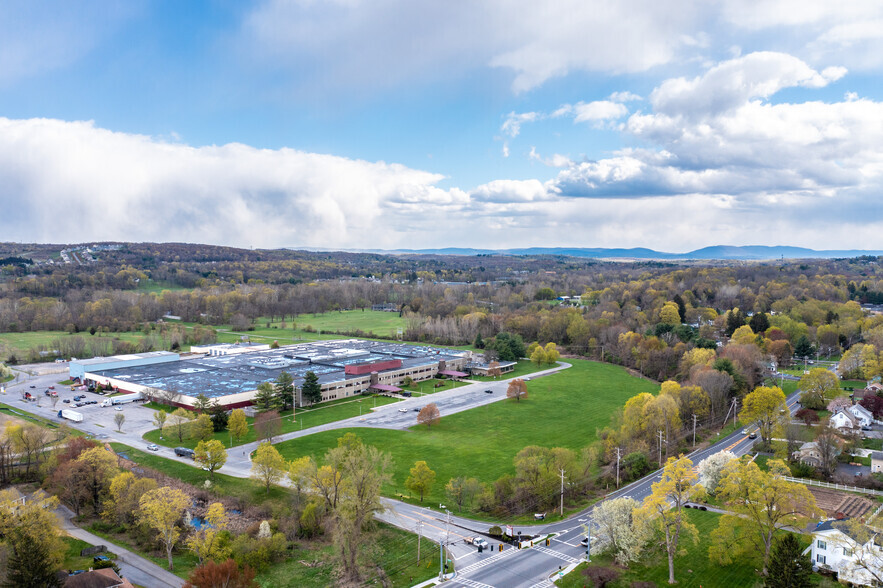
134 567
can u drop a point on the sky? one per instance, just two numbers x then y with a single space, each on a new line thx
393 124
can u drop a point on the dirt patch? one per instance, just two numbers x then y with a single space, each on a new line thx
6 417
835 502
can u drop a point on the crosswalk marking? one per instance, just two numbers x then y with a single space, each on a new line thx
543 584
481 563
554 553
471 583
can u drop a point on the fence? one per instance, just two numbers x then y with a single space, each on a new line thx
809 482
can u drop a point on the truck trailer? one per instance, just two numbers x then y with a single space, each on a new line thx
70 415
122 399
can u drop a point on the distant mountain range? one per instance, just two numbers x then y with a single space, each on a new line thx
748 252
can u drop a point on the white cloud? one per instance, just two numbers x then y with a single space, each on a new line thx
512 125
598 110
135 187
377 44
625 96
732 83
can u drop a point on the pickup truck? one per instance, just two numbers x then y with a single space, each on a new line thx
477 541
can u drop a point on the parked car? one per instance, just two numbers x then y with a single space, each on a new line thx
99 558
403 410
184 452
118 408
416 409
866 428
153 447
67 400
488 391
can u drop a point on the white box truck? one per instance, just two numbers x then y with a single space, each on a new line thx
122 399
71 415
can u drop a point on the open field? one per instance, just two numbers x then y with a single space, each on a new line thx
563 410
72 558
693 568
327 412
25 341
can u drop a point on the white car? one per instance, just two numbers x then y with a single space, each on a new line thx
119 408
403 410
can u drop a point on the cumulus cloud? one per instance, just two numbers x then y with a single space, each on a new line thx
717 134
60 177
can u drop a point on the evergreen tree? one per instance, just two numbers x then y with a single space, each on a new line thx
312 391
219 417
30 564
283 389
735 319
265 399
803 348
759 323
479 342
788 568
682 308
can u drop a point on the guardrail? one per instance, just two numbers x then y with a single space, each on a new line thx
821 484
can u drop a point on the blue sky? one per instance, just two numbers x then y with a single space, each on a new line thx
402 124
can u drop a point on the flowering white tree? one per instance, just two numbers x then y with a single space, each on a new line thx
619 529
711 469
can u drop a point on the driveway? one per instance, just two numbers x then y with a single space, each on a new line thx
134 567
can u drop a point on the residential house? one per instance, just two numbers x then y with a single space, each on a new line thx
103 578
863 415
853 551
844 420
809 453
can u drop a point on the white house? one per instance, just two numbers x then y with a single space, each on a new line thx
876 462
862 414
851 550
844 421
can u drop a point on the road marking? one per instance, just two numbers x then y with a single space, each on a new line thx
480 564
553 553
543 584
471 583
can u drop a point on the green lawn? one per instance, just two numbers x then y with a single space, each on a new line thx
429 386
72 558
183 560
244 488
563 410
397 557
691 569
25 341
327 412
525 367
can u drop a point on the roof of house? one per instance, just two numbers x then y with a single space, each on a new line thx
848 415
877 455
858 409
103 578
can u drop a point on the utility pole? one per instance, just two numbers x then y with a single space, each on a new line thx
562 492
618 453
734 412
419 536
660 447
694 430
441 558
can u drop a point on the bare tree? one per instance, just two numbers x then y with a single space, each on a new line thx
829 448
119 418
429 415
267 425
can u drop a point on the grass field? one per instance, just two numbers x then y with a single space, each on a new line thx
72 558
327 412
563 410
26 341
693 568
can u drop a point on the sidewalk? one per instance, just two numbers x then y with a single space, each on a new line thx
134 567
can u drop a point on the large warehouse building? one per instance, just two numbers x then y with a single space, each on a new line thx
345 368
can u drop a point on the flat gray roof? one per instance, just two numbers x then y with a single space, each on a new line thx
218 376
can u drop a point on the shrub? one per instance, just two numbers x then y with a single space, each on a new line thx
259 553
495 531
